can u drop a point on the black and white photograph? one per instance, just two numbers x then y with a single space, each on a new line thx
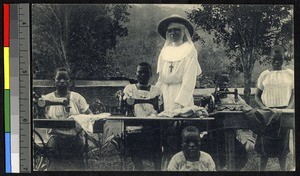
162 87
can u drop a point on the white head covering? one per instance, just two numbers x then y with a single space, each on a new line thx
175 53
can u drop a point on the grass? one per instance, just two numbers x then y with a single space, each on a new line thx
111 161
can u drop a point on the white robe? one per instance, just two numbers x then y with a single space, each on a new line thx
178 69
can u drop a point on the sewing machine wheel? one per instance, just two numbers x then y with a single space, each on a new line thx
130 101
94 149
41 103
97 150
40 160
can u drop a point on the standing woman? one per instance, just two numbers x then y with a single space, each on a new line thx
178 69
178 65
275 89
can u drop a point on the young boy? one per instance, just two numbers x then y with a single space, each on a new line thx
222 80
142 91
148 137
68 149
191 158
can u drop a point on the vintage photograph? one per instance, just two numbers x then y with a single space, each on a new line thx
163 87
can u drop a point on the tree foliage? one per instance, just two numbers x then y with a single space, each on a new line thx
143 42
247 31
77 37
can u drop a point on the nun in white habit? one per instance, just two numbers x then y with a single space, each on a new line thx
178 65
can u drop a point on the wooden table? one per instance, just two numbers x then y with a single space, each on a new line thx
65 123
230 121
99 124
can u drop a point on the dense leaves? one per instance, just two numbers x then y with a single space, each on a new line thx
77 37
247 31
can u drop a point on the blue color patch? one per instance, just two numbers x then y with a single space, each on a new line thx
7 153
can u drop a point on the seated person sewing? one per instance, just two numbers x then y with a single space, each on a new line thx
224 100
222 81
191 158
148 136
68 149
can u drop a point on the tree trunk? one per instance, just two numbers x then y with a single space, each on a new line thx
247 85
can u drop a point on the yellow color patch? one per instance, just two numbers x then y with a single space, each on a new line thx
6 68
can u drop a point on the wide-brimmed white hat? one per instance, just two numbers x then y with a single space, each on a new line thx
164 23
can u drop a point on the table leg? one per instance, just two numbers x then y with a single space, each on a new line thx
214 143
123 159
86 150
292 133
162 138
230 149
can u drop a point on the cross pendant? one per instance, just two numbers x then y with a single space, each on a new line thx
171 67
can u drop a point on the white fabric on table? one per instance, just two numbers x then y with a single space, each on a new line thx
86 122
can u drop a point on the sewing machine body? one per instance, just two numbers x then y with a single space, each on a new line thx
39 105
127 106
213 102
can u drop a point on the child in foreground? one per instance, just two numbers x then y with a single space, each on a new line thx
191 158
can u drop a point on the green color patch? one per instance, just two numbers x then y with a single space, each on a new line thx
7 111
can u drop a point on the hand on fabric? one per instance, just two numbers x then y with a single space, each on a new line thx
177 106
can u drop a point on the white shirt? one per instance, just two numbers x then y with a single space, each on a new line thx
78 105
179 163
145 109
277 87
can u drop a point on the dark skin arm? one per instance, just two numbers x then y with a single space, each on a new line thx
258 98
292 101
88 111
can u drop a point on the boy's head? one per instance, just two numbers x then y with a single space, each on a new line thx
277 55
221 79
62 78
191 143
143 73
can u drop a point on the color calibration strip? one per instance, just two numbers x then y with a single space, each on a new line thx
17 102
24 87
6 26
14 89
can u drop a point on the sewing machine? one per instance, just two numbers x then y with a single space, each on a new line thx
127 106
214 101
39 105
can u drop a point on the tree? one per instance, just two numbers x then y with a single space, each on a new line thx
247 31
76 37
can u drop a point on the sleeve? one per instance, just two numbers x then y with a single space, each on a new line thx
210 163
173 165
155 91
159 65
192 70
126 92
83 105
158 84
291 74
260 80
